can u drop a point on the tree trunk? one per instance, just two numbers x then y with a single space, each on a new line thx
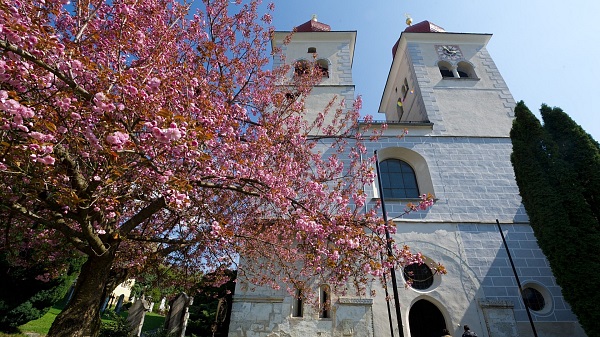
81 316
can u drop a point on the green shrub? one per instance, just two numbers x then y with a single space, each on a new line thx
26 298
116 327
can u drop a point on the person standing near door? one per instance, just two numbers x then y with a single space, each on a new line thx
468 332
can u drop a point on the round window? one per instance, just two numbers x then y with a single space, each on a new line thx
533 299
418 275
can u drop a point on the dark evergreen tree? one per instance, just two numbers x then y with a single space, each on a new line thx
579 149
555 199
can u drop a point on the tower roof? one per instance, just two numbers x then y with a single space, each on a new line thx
424 27
313 25
421 27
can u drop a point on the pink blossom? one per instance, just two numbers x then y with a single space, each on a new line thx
173 134
47 160
153 85
117 139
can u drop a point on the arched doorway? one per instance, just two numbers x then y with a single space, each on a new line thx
425 320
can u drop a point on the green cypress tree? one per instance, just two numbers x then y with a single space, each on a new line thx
579 149
554 199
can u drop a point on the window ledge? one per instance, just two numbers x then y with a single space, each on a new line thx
461 78
399 199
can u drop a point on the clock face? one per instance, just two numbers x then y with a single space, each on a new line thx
449 52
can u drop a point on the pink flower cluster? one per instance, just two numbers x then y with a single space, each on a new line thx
101 103
117 140
167 135
18 112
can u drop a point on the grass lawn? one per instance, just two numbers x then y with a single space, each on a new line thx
42 325
153 321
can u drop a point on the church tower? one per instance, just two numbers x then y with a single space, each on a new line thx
262 311
333 52
447 98
446 92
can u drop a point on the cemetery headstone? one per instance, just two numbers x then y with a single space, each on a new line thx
104 304
119 304
161 307
136 315
151 306
176 320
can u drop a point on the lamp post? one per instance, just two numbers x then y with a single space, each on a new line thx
389 251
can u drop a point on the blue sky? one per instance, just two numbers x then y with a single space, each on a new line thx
547 51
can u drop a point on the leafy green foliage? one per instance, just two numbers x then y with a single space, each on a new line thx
115 326
158 281
25 297
557 168
212 307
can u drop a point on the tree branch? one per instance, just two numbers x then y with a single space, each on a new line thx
28 56
142 215
73 236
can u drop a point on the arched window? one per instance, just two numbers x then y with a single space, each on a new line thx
445 69
465 70
301 67
298 306
398 179
324 301
400 109
323 66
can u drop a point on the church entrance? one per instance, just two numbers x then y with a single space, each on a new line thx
425 320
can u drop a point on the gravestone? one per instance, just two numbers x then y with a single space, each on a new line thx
136 315
71 291
119 304
104 304
176 320
151 306
161 307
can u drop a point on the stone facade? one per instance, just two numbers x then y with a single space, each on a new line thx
459 146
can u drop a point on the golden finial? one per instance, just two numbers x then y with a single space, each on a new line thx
314 17
408 19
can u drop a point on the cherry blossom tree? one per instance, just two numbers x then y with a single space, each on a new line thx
142 132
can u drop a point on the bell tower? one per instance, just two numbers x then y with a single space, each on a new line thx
447 98
448 79
333 53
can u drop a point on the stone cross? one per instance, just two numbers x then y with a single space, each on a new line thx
136 315
176 320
